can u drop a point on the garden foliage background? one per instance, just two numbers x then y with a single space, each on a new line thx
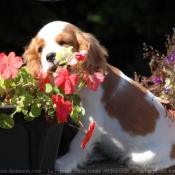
122 26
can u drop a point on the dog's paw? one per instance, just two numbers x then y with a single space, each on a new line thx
61 164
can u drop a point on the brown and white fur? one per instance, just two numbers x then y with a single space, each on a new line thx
132 125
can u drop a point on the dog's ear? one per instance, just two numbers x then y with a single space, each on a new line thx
32 56
96 54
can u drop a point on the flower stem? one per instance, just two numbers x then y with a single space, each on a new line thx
77 127
7 84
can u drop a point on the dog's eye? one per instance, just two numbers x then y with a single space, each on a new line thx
40 49
63 43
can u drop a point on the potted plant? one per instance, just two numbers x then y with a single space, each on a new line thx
162 80
32 111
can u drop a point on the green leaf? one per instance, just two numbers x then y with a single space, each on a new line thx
64 55
69 50
82 111
74 115
18 109
51 113
2 91
39 94
7 83
25 111
48 88
28 118
77 112
24 78
57 90
59 56
6 121
26 99
76 99
35 111
81 84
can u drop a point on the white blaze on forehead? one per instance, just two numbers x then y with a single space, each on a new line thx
51 30
49 33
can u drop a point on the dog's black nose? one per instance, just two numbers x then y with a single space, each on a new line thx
50 57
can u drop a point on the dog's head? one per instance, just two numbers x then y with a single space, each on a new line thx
54 36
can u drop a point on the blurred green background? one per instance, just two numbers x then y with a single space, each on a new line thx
122 26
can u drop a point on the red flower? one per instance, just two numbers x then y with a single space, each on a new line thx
9 65
66 81
78 56
92 81
88 134
63 108
44 79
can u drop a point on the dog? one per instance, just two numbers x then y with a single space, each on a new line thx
131 123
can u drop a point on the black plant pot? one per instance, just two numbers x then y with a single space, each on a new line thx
29 145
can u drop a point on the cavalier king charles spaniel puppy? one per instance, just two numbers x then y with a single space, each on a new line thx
131 123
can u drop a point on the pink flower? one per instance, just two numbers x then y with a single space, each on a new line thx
9 65
92 81
98 77
88 134
63 108
65 80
